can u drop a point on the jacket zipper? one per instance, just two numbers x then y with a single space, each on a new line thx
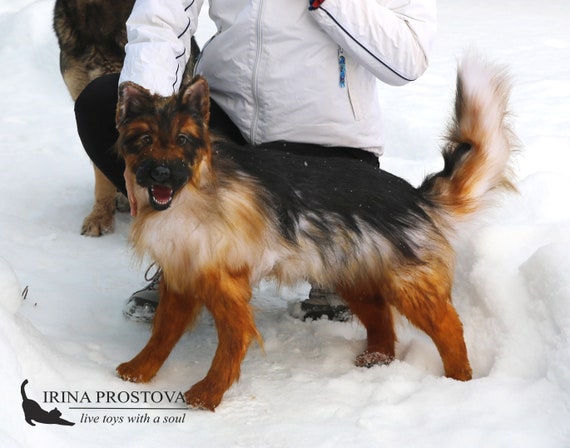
341 68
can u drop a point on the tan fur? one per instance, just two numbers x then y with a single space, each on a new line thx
100 220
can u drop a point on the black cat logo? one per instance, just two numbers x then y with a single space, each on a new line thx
34 412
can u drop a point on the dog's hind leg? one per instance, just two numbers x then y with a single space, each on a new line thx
426 302
174 314
228 296
376 316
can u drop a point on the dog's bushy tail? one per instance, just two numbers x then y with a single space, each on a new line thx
479 143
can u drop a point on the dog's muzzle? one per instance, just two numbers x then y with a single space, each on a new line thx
162 178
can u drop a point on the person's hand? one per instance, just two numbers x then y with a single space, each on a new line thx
130 184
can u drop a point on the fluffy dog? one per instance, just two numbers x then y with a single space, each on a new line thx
218 217
91 35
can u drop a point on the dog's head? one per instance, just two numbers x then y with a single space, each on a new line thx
164 140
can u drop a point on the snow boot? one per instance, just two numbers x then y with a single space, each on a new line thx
321 303
141 306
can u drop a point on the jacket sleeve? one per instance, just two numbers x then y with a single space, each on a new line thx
391 38
159 34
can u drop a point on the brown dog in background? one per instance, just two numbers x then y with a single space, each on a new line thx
91 35
219 217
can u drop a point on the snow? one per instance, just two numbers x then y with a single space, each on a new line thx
512 286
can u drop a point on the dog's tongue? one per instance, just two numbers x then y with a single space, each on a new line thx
161 194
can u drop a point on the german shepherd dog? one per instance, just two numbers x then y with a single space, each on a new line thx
218 217
91 35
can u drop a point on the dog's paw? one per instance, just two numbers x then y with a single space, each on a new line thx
203 396
371 359
95 227
99 222
129 371
461 373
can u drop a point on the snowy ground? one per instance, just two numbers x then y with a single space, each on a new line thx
512 282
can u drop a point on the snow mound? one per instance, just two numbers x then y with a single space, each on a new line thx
10 292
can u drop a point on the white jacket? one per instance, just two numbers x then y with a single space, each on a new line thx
275 66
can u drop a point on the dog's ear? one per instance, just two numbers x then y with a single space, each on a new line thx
195 97
133 101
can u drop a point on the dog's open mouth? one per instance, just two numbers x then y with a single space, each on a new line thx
160 196
162 179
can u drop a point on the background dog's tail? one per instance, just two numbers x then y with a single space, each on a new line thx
479 143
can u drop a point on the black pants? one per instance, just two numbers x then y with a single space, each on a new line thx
95 115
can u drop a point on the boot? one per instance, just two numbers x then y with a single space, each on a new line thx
141 306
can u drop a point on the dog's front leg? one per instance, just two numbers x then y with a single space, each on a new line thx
228 301
101 219
174 314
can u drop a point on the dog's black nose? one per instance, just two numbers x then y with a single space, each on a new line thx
160 173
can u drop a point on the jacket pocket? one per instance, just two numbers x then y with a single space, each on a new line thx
361 88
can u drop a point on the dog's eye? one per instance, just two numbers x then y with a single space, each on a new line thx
182 140
146 140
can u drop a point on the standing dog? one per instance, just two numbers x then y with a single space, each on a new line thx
217 218
91 35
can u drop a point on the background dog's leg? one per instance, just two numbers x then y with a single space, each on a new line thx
174 314
228 301
101 219
376 316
